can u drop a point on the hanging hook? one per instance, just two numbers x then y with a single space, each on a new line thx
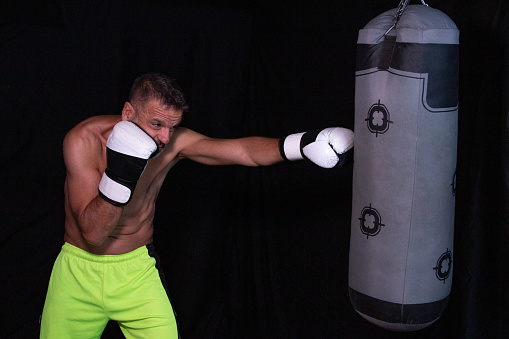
401 7
399 12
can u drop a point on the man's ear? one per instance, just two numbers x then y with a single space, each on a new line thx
128 112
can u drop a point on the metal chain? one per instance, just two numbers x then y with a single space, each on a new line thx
401 7
399 12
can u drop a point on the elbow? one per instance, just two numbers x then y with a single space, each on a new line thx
245 159
253 163
270 156
93 238
256 161
263 162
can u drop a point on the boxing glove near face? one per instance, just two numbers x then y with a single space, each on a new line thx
128 149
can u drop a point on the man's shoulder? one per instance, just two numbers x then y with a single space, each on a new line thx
94 125
90 132
183 137
97 121
186 133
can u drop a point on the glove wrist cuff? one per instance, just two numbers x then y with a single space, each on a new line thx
114 192
289 147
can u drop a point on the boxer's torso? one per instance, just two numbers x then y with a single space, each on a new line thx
135 226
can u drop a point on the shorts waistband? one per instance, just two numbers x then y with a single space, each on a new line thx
106 258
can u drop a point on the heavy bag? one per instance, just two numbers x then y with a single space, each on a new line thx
406 114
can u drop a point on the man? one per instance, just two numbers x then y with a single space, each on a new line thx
115 168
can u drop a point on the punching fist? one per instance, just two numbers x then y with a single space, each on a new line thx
326 148
127 151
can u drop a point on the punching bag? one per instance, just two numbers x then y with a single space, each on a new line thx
406 117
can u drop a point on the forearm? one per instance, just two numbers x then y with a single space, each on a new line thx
260 151
248 151
98 221
327 148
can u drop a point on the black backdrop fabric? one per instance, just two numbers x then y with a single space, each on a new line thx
247 252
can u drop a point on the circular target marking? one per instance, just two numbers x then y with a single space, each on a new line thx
371 221
378 119
443 266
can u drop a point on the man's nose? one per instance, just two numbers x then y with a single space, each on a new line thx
164 136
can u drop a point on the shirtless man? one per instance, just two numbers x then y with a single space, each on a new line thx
116 166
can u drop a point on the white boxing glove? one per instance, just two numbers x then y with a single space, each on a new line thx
326 148
127 151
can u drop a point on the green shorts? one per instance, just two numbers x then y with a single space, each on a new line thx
87 290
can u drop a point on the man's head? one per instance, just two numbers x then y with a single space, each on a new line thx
156 104
159 87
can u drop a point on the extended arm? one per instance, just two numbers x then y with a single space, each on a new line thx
326 148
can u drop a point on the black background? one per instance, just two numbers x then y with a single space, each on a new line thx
247 252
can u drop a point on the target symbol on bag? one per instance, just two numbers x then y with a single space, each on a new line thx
378 119
444 265
371 221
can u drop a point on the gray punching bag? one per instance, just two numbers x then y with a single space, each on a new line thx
406 118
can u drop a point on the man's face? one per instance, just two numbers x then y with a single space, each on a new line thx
159 121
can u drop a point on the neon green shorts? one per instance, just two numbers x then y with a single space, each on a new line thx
87 290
